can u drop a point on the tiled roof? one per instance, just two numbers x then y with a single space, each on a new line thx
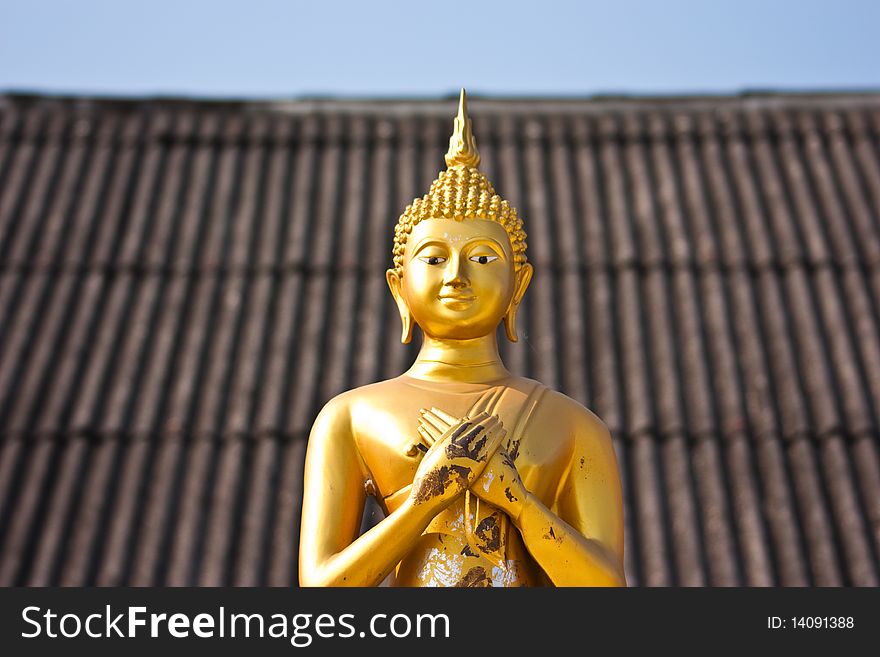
184 284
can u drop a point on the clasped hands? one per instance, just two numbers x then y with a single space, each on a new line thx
466 454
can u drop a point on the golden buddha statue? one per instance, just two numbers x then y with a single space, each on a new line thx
485 478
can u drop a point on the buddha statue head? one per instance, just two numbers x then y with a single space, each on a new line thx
460 264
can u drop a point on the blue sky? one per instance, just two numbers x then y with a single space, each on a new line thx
383 48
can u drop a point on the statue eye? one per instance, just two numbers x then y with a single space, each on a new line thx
483 259
433 260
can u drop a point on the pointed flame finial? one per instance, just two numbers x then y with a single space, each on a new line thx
462 145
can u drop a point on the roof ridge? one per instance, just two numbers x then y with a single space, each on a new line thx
488 104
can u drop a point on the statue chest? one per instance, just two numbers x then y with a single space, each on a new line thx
387 433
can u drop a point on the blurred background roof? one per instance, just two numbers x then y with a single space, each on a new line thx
184 284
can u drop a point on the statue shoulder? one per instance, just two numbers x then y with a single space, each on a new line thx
334 418
369 392
342 407
582 424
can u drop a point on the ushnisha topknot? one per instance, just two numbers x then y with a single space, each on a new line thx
461 192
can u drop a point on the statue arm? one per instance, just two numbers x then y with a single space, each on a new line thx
331 553
581 543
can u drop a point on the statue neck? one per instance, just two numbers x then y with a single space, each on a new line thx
462 361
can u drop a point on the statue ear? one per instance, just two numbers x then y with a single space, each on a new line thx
523 278
406 316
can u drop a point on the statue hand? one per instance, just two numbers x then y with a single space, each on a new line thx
500 485
456 458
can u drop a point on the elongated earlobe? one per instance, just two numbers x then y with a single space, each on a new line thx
523 278
406 334
406 317
510 323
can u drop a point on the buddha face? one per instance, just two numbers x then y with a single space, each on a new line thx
458 278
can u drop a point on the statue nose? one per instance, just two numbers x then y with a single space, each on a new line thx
454 276
455 281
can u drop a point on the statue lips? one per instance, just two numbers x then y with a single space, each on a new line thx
457 301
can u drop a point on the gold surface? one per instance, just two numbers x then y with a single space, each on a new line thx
487 479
